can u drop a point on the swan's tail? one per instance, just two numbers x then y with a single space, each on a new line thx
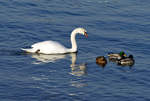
29 50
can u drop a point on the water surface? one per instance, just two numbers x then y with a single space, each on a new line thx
112 26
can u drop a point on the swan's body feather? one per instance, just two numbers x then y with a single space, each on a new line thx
53 47
47 47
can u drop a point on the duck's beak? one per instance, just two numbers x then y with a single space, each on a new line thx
124 55
86 35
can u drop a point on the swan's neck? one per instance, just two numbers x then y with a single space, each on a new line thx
73 42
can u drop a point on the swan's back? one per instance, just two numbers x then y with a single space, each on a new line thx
53 47
49 47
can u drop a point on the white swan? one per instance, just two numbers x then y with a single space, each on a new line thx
53 47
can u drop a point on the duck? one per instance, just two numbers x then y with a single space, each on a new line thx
116 56
127 61
53 47
101 60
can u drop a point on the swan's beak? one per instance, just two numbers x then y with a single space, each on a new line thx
86 35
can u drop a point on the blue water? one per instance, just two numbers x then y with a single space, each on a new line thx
112 26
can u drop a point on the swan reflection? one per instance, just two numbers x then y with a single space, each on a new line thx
78 84
47 58
76 69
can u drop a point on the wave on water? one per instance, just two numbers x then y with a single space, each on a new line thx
6 52
102 1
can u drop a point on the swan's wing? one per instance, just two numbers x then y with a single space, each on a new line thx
52 44
49 47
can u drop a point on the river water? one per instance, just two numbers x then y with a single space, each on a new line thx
112 26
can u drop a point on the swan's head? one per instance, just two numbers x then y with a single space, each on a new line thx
81 31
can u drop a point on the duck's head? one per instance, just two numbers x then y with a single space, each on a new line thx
122 54
131 56
81 31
